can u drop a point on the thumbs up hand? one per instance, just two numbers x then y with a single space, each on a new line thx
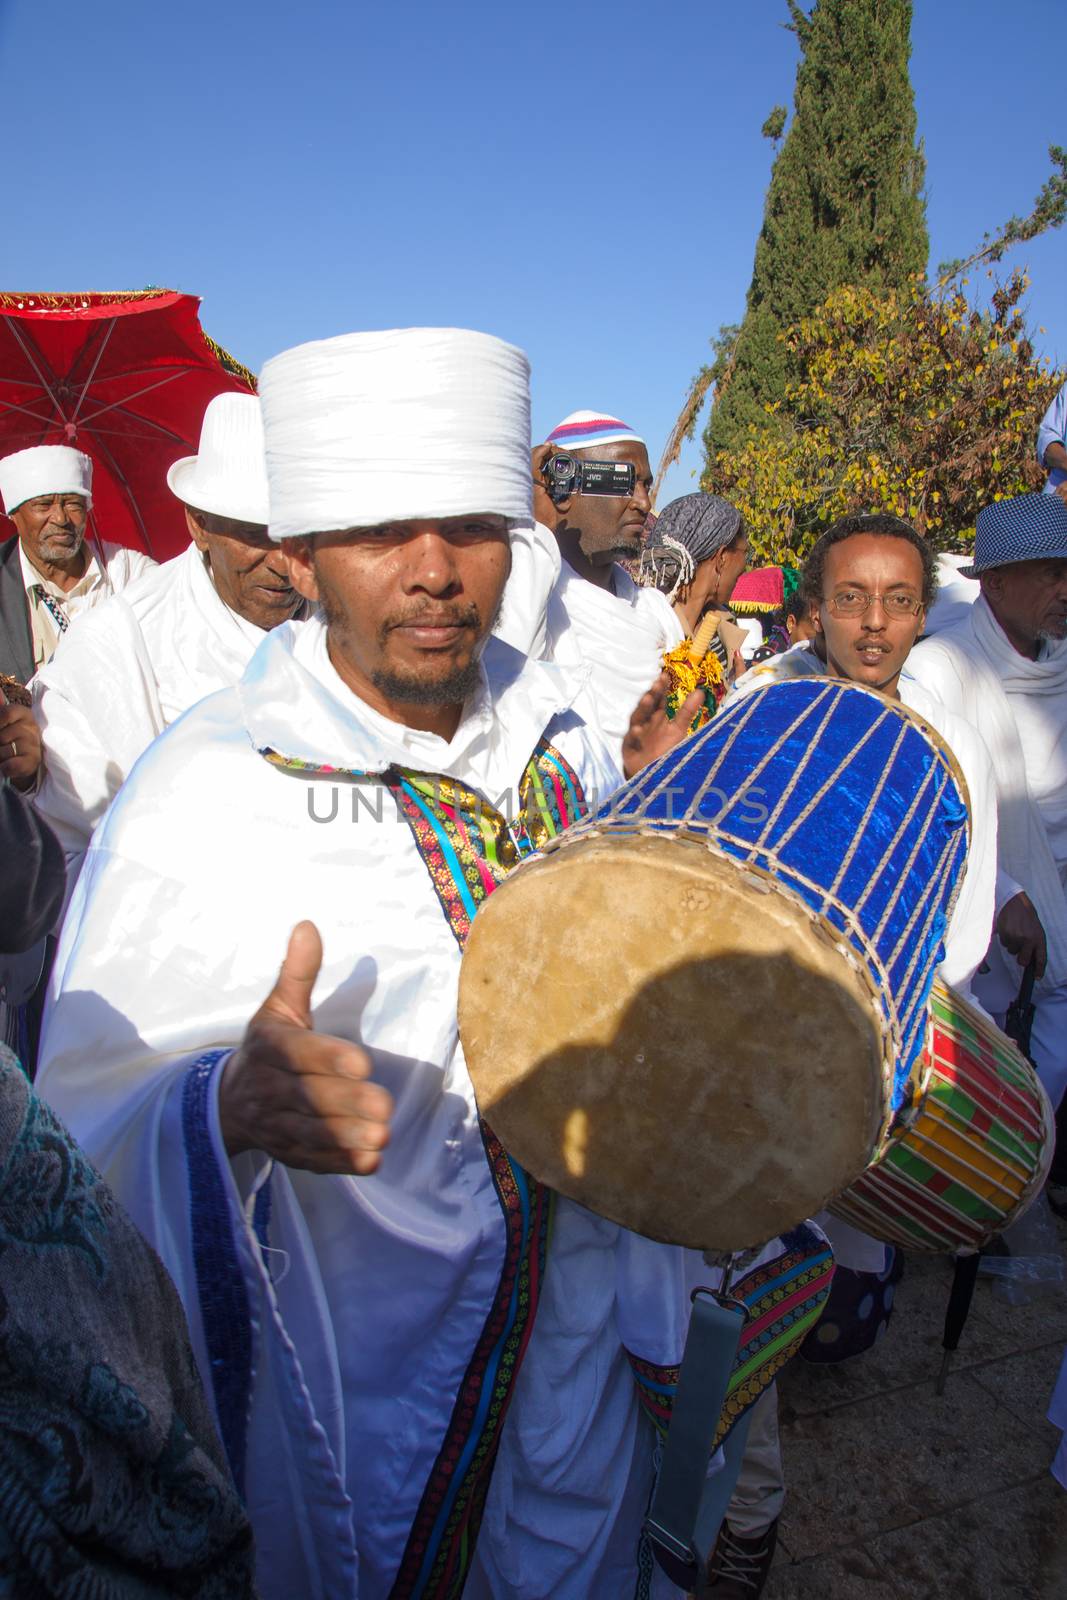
303 1097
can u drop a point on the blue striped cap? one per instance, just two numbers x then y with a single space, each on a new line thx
1032 527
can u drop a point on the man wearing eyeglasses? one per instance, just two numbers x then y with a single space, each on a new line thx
866 587
867 584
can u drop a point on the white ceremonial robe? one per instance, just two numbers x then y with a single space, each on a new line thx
111 569
955 595
1019 707
355 1323
122 674
620 635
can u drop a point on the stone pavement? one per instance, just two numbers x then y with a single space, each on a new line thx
894 1494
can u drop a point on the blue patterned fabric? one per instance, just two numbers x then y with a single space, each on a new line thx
836 792
1029 527
113 1484
224 1309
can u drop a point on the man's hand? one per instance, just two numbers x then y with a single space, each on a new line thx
1020 932
651 732
1061 490
20 746
302 1097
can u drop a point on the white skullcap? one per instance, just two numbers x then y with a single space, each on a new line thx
228 477
44 469
584 430
389 426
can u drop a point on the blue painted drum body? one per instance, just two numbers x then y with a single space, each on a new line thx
843 797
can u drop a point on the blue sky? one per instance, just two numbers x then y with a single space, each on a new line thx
585 180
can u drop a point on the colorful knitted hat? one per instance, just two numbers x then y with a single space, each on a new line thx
583 430
762 590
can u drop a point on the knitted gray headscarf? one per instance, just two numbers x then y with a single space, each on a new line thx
687 532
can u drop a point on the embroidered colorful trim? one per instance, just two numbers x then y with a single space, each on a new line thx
445 1529
468 848
785 1298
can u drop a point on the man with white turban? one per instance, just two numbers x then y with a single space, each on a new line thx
127 671
361 1260
49 574
575 603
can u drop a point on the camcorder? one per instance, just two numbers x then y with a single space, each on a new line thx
566 475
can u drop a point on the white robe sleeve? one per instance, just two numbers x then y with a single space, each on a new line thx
97 706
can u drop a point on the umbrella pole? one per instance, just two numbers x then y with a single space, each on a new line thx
961 1294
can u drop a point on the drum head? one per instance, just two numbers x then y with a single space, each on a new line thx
672 1040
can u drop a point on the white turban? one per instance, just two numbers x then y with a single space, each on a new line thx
382 427
44 469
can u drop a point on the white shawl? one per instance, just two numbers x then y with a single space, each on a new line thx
972 668
619 635
122 674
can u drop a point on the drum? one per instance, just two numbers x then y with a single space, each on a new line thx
971 1148
697 1010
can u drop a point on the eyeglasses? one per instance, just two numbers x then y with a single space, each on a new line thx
857 602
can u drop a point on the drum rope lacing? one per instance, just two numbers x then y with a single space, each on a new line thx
828 699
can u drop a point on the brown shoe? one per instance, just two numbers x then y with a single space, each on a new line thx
738 1567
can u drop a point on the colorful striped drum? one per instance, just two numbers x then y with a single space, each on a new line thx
699 1009
971 1150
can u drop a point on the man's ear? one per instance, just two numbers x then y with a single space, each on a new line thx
299 556
196 532
549 512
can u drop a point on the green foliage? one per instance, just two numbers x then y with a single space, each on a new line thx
904 402
845 200
774 126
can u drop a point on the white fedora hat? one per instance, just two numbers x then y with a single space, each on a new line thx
228 478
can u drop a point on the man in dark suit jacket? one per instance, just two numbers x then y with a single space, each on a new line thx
20 741
16 641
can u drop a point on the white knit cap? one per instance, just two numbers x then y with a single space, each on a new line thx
389 426
228 478
44 469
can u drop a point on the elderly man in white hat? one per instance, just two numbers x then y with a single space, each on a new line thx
123 674
361 1260
50 574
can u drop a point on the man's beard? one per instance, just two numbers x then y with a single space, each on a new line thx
57 548
413 690
410 687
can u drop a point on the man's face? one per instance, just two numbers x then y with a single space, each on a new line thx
250 573
873 646
52 528
609 527
408 605
1029 600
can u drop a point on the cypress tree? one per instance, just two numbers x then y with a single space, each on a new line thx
845 202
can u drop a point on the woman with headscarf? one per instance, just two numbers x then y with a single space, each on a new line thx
696 553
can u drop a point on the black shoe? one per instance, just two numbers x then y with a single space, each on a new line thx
739 1567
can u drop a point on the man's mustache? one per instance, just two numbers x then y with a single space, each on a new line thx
429 616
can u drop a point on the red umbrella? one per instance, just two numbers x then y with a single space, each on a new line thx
126 379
